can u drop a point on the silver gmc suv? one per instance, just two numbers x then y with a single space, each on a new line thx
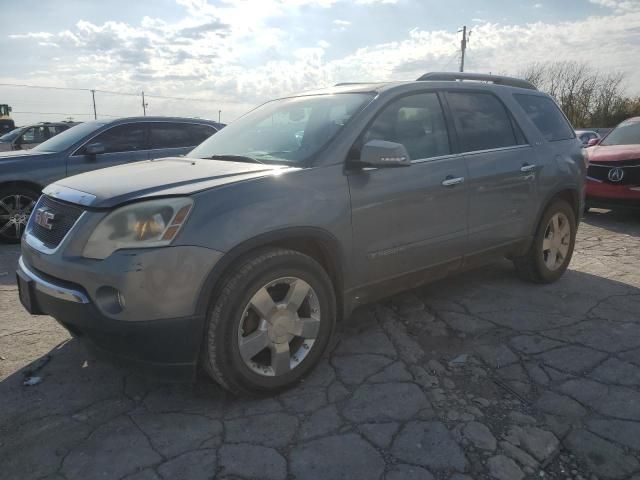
245 255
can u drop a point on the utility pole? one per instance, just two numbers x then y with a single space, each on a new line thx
219 116
463 46
144 105
93 96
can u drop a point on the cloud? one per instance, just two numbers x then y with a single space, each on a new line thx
239 53
619 5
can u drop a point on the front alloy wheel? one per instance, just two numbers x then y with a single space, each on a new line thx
269 323
279 326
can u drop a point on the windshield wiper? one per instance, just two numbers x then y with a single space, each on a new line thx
235 158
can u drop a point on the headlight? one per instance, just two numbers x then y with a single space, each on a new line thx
153 223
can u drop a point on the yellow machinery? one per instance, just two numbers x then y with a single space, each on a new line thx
6 123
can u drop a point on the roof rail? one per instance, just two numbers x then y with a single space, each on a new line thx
480 77
343 84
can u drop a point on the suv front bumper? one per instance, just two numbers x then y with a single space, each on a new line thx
164 346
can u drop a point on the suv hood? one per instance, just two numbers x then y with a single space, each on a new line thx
20 153
612 153
152 178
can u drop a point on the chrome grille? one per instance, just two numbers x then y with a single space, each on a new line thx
630 168
65 216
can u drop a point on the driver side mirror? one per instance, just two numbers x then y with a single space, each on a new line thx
593 142
383 154
94 149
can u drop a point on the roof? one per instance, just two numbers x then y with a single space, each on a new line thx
436 79
161 119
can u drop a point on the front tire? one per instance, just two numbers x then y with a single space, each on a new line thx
552 247
269 323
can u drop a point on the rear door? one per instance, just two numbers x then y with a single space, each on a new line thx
124 143
170 139
502 169
409 219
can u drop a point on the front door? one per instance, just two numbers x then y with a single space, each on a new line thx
502 169
124 143
408 219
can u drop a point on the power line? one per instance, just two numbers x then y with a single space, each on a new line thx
65 113
111 92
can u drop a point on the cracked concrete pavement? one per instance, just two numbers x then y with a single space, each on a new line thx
478 376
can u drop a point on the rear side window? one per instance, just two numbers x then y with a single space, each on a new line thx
482 121
546 115
170 135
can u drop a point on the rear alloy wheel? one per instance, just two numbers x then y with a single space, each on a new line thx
270 323
556 241
552 247
15 208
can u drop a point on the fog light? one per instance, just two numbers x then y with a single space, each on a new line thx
110 300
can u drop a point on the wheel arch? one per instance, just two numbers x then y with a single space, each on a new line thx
317 243
569 194
22 183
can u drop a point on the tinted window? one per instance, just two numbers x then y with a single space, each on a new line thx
482 121
546 115
199 133
170 135
417 122
123 138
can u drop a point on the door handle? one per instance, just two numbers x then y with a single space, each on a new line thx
451 181
527 168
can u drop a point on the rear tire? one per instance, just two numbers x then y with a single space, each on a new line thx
552 247
249 347
16 204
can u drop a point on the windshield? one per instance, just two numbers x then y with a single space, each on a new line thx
627 133
288 131
67 138
9 137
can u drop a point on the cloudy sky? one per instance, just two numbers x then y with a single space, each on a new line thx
234 54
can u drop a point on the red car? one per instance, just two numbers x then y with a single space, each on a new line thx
613 177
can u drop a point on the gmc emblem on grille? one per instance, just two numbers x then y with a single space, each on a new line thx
44 217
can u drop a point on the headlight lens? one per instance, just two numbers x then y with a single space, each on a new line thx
153 223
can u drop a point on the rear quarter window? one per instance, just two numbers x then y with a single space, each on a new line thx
546 115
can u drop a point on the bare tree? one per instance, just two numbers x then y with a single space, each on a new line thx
589 97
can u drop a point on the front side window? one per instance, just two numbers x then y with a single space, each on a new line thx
482 121
627 133
288 131
546 115
123 138
415 121
170 135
